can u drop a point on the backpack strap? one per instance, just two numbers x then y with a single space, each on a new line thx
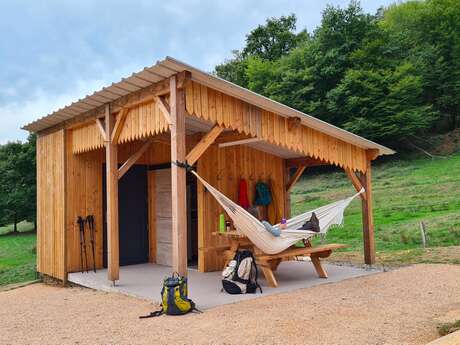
257 272
152 314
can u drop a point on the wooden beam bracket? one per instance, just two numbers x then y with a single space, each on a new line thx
356 182
164 109
295 178
101 128
121 118
133 159
200 148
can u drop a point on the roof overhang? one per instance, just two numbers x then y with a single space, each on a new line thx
169 67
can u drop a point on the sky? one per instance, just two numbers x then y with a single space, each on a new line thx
53 52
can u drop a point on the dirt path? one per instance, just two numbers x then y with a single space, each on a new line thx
398 307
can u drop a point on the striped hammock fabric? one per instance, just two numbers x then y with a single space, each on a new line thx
246 224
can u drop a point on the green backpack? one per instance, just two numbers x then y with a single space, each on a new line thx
174 297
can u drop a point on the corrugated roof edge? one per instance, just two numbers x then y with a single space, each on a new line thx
222 85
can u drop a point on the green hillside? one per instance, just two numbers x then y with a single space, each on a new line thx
405 193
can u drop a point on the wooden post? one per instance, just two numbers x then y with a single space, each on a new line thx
113 260
368 219
287 192
178 183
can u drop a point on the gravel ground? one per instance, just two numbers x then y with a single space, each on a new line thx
398 307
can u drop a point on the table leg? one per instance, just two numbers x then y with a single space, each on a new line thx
318 267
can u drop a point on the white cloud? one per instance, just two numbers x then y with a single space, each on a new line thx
65 50
17 114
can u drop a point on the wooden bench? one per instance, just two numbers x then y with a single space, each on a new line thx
269 263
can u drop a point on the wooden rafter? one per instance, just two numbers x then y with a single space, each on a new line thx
304 161
164 109
203 145
356 182
121 118
295 177
240 142
100 126
133 159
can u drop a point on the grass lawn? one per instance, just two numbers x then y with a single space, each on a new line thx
405 193
17 254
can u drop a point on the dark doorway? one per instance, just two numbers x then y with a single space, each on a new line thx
133 216
192 221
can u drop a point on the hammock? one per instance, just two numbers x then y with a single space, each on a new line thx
252 228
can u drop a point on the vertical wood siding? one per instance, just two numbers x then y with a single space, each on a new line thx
223 168
229 112
51 204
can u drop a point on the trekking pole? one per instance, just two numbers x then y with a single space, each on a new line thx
83 241
92 230
81 225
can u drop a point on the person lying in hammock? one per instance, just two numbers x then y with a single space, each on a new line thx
309 225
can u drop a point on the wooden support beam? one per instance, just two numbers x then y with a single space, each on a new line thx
368 219
101 128
293 180
227 137
164 109
113 257
356 182
182 78
304 161
240 142
178 186
133 159
121 118
203 144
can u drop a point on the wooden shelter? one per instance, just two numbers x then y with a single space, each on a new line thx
117 153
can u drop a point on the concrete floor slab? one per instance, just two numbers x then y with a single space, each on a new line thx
145 281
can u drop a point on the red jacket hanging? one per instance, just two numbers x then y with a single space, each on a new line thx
243 194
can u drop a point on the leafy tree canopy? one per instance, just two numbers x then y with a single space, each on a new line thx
388 76
17 182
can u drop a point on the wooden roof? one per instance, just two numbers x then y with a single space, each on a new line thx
169 66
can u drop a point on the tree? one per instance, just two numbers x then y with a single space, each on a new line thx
428 32
274 39
267 42
388 76
17 182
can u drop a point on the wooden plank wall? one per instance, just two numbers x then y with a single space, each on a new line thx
233 113
223 168
84 197
84 194
51 204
